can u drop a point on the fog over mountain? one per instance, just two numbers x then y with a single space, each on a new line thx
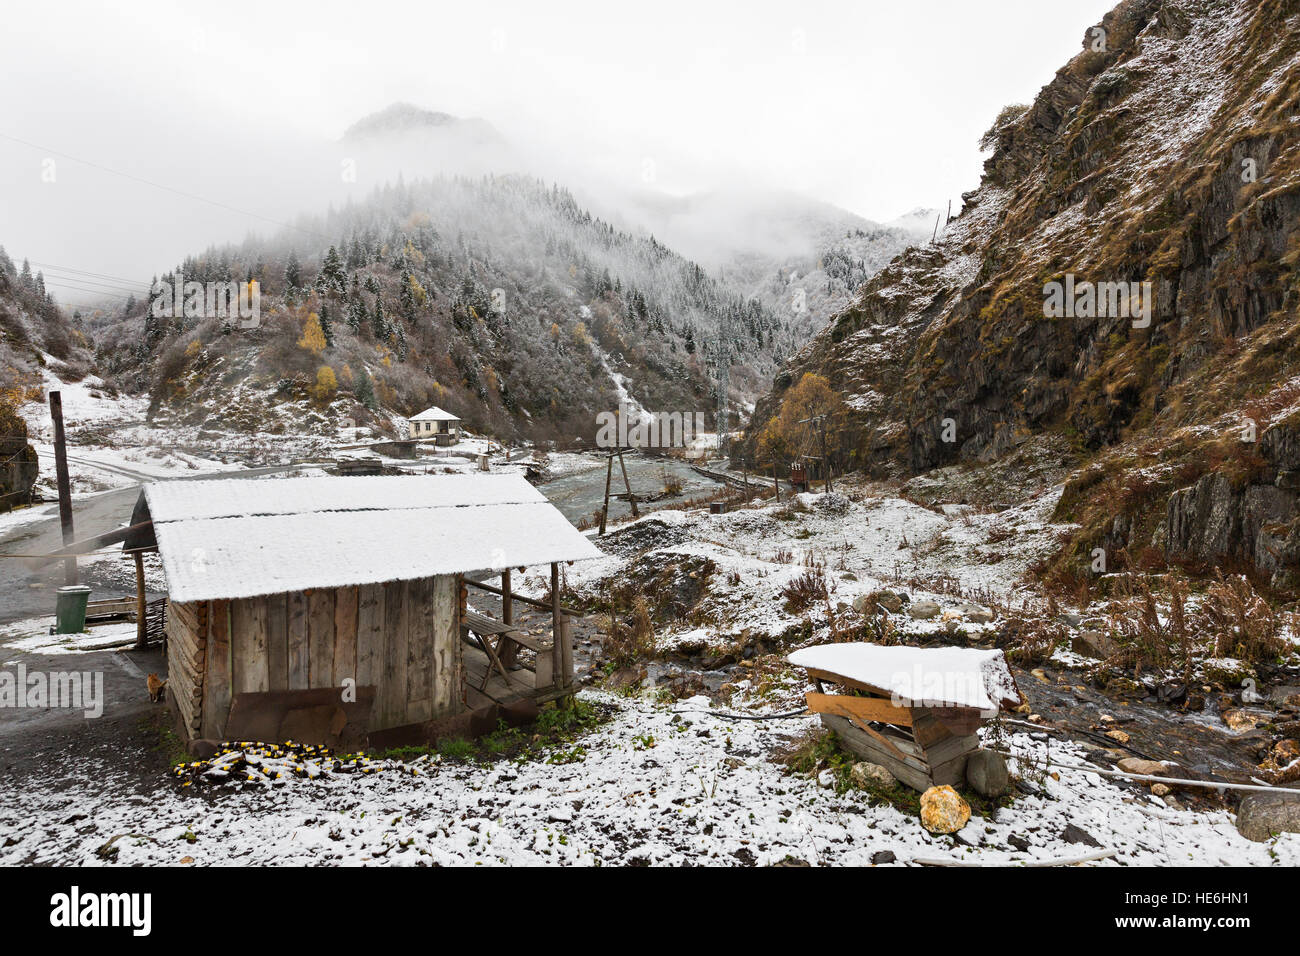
125 134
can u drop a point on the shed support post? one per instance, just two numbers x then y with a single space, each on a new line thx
561 650
507 608
140 612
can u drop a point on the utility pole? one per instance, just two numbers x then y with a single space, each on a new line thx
724 387
65 486
820 422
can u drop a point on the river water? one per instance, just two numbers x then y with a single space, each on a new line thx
579 494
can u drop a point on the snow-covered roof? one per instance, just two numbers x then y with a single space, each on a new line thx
434 414
244 537
920 676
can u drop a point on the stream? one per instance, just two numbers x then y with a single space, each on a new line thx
579 494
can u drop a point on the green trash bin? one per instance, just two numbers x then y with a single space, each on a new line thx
70 609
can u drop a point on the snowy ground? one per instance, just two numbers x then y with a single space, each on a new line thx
33 637
654 786
862 539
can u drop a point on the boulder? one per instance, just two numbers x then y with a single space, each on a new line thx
1094 644
986 772
1242 720
977 615
866 603
626 677
1227 672
1075 834
943 810
1286 751
871 776
882 856
1262 816
832 503
1148 768
923 609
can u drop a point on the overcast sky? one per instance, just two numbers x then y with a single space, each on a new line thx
874 106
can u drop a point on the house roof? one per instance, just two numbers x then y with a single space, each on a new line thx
434 414
245 537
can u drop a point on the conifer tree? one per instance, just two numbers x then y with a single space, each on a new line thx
292 272
326 326
364 389
332 279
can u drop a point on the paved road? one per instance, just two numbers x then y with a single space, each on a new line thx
26 588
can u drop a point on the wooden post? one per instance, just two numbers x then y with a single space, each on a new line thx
140 612
566 650
826 461
65 487
776 482
604 509
744 474
507 607
627 484
562 679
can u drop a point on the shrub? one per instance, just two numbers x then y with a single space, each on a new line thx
807 589
1239 621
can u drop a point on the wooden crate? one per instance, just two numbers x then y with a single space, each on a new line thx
922 746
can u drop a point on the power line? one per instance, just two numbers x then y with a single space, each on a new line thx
165 188
111 287
78 288
133 283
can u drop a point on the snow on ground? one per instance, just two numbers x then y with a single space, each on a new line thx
654 786
33 637
863 542
13 520
562 463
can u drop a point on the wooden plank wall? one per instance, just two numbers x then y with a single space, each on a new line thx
186 661
401 637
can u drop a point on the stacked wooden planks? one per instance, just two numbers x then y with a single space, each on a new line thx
186 661
921 746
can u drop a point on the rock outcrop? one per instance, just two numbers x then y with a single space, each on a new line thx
1165 157
18 466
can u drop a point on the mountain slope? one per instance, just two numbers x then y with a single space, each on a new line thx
498 297
1170 157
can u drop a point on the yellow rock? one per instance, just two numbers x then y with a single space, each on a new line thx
1117 735
943 810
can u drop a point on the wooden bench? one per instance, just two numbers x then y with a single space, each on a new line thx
503 651
111 609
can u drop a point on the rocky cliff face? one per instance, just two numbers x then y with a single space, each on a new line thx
1165 157
18 468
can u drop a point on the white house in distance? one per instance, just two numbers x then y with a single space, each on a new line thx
442 427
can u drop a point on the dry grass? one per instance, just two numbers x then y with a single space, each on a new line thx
804 591
625 644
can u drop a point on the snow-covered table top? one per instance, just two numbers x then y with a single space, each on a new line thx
918 676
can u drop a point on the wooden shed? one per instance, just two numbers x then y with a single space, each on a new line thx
301 603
